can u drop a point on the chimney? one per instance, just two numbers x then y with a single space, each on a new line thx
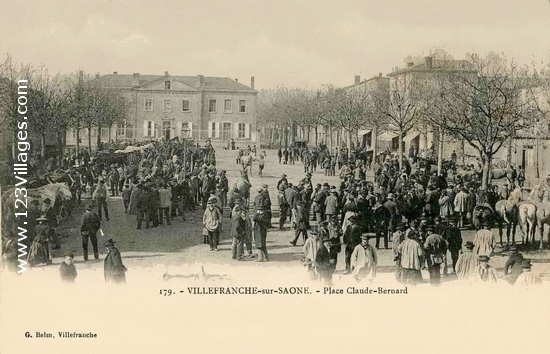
115 73
166 73
357 79
200 80
236 80
136 79
429 62
252 82
410 63
379 74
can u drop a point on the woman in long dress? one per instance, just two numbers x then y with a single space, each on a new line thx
40 249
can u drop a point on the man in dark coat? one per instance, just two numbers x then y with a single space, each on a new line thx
113 268
453 236
238 230
88 229
391 205
143 207
325 261
261 223
352 237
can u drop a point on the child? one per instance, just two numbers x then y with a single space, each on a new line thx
67 270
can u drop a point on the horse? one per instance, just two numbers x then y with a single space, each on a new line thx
500 173
528 218
243 185
246 162
542 199
507 211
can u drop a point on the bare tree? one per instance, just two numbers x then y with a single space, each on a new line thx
484 109
403 113
349 111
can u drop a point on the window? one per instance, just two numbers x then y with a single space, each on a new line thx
166 129
242 106
227 106
149 104
242 130
104 133
167 85
121 130
185 105
150 128
214 130
186 130
211 105
167 105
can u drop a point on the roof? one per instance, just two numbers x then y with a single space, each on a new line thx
208 82
441 65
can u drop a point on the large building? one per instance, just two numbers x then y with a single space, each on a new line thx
192 107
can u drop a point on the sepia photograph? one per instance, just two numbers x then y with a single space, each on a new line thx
254 176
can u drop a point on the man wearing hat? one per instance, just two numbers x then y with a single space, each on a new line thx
261 223
352 238
238 230
325 261
512 268
435 247
89 227
282 182
283 208
313 244
527 278
398 237
484 273
364 260
453 236
301 223
484 241
411 255
100 195
291 195
212 221
467 262
263 200
391 205
113 269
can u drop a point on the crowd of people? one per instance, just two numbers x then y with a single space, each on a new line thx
419 212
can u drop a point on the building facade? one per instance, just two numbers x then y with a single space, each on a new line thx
191 107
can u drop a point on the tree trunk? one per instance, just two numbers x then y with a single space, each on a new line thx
440 152
509 151
316 135
78 141
98 139
42 144
486 159
374 142
349 143
90 141
331 144
463 148
400 154
537 167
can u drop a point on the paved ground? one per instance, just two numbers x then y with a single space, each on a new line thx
170 247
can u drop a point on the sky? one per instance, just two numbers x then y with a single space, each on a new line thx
294 43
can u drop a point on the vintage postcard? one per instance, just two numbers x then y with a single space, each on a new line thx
239 176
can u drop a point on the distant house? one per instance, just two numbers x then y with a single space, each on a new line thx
192 107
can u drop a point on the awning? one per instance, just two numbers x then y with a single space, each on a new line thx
362 132
387 136
411 136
